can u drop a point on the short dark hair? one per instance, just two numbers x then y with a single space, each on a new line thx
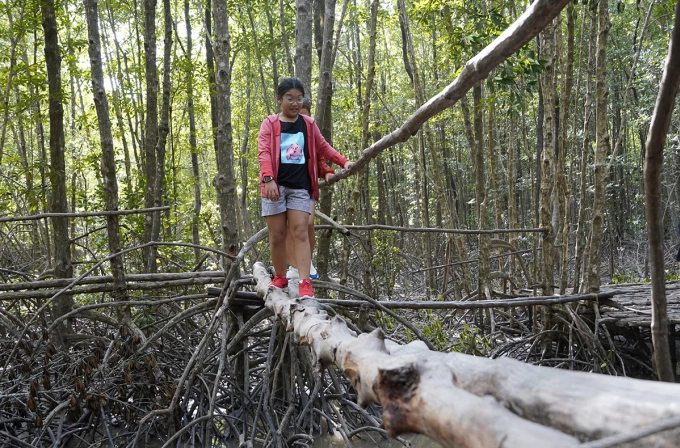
287 84
306 104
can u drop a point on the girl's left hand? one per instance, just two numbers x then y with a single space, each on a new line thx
348 165
328 176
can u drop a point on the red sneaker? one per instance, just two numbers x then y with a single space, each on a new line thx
279 281
305 288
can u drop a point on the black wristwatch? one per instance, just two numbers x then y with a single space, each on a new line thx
266 179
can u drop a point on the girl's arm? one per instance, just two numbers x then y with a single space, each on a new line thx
324 169
264 150
325 150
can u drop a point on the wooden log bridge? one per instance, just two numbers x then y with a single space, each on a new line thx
466 401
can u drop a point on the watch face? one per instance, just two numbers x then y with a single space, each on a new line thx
266 179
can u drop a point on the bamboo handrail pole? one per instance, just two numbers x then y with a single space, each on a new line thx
83 214
61 282
473 260
430 229
108 287
504 303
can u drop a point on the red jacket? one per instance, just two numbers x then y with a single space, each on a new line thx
269 151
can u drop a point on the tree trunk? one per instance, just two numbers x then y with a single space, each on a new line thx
273 56
10 76
658 129
562 192
370 76
247 225
323 118
163 126
57 170
150 129
580 244
117 90
108 154
263 85
479 174
34 198
303 44
210 64
286 42
498 198
224 182
602 149
547 161
195 169
361 186
513 223
411 67
325 90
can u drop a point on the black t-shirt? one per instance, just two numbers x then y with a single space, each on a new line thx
294 155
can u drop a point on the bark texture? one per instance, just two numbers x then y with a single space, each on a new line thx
224 182
108 154
303 43
57 174
195 169
547 182
602 150
150 128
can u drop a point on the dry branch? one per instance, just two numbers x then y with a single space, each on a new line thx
528 25
497 402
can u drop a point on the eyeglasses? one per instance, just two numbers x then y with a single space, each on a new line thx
293 100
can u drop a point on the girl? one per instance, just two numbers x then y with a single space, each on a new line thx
289 145
325 172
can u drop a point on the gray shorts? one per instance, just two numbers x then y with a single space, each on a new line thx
289 199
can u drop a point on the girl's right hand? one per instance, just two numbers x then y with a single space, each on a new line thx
271 190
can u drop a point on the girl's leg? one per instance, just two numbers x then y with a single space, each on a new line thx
277 242
290 250
298 223
310 228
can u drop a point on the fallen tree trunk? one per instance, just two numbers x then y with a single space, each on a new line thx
466 401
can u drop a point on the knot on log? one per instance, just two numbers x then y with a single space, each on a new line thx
396 388
360 358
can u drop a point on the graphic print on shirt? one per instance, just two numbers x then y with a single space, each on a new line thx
291 148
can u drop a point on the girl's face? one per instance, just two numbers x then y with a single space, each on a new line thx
291 103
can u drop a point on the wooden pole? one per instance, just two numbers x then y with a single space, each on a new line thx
82 215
